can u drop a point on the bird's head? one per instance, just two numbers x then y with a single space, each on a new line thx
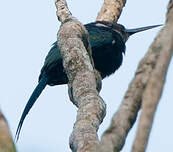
125 33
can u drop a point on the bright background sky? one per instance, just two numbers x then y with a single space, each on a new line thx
27 30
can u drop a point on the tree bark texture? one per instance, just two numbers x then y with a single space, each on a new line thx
111 10
75 49
6 142
151 96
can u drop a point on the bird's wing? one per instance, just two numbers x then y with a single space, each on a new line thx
53 58
53 55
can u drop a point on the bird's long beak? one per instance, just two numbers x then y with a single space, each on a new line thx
136 30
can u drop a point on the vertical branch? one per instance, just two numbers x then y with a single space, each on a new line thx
73 43
154 88
111 10
6 142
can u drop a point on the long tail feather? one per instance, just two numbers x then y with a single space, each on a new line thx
36 93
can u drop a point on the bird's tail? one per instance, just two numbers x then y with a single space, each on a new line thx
36 93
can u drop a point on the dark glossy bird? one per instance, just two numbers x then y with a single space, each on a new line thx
108 45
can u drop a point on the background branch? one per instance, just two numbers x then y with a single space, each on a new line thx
151 96
6 142
114 137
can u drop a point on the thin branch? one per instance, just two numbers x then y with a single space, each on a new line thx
73 43
154 88
6 142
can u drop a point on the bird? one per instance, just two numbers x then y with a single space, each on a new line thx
107 42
